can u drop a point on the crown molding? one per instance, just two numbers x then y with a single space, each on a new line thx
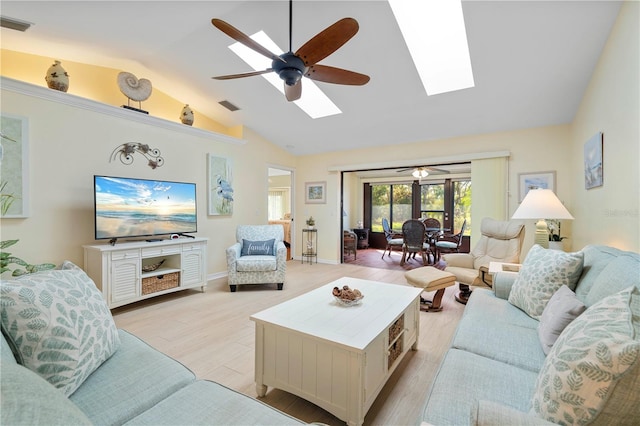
45 93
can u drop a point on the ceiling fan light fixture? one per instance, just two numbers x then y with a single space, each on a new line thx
314 102
420 172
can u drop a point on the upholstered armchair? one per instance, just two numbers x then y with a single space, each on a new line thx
501 241
259 256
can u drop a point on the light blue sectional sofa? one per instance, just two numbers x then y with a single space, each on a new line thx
496 371
135 385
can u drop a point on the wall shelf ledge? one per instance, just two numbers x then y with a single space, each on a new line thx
42 92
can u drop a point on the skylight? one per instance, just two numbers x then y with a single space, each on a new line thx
313 101
436 37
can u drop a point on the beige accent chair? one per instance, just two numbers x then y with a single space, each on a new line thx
501 241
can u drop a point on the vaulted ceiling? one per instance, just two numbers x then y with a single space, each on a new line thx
532 61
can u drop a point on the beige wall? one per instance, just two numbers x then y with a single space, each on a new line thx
607 215
610 214
100 84
68 145
529 149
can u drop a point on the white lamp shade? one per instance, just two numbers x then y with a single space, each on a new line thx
541 204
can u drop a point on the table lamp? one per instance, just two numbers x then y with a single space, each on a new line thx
538 204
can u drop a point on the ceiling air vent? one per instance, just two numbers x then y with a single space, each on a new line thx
14 24
228 105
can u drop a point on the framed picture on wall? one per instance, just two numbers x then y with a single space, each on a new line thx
315 192
537 180
593 175
14 156
220 186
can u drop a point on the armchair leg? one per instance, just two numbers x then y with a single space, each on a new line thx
280 286
232 288
463 295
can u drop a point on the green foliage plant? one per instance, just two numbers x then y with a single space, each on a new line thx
6 200
7 259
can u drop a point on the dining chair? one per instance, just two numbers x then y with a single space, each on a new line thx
393 238
450 243
414 234
433 230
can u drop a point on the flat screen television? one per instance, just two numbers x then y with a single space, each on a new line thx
127 207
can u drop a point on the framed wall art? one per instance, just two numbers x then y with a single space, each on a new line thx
14 170
315 192
220 186
537 180
593 175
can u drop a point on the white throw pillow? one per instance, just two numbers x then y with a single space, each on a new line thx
58 325
563 307
593 369
542 273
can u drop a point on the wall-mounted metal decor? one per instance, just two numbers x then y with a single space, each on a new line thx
125 153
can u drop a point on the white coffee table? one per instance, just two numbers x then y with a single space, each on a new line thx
337 357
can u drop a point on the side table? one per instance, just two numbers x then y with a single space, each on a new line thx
310 245
363 237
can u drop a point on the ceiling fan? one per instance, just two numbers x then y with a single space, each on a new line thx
291 67
423 171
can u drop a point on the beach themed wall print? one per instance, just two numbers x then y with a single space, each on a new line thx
593 175
220 186
14 154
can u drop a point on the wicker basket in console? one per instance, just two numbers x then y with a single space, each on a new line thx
160 282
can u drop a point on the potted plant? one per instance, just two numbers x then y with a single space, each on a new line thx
311 222
555 240
6 259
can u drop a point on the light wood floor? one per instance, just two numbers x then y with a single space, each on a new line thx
210 333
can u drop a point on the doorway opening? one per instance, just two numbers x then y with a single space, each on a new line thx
280 204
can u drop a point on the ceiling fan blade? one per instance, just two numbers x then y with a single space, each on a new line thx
336 75
328 41
241 37
245 74
294 92
437 170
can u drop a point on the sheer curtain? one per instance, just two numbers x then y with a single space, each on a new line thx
277 204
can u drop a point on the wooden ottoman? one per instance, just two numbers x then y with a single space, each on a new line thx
430 279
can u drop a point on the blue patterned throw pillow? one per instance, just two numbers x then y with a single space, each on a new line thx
592 373
257 248
542 273
58 325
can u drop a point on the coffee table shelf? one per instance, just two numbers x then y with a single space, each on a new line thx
337 357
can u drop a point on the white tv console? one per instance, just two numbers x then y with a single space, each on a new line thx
117 269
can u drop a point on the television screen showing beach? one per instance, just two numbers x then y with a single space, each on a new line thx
126 207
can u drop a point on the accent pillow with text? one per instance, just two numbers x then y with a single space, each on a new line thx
257 248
